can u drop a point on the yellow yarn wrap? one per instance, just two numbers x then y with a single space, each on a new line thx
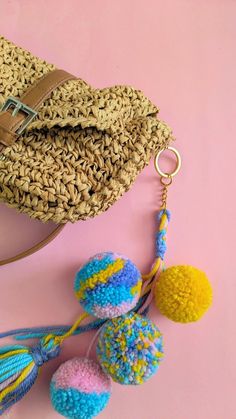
183 293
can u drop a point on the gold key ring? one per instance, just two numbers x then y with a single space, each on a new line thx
178 163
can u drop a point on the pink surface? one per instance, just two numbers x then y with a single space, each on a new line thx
182 55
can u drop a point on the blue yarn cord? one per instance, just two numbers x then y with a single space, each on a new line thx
40 332
161 235
10 369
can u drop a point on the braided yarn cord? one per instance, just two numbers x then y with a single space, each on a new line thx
83 150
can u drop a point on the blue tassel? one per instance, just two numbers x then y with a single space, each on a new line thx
19 368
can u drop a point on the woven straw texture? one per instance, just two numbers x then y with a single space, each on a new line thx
84 149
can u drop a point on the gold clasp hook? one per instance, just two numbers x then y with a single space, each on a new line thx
167 178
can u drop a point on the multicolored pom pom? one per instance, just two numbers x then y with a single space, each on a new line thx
108 285
80 389
130 348
183 293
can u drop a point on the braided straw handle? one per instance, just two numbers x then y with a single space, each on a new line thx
34 248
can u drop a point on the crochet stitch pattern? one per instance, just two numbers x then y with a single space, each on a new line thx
83 150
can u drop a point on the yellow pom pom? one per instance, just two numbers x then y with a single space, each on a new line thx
183 293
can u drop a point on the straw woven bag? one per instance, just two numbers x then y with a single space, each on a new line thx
69 151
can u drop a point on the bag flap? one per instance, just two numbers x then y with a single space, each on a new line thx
73 104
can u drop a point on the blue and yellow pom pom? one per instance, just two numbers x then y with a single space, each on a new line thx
130 348
108 285
183 293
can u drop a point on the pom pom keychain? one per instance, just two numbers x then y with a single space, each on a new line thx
129 349
20 366
182 293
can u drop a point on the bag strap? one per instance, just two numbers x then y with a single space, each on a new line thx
16 114
34 248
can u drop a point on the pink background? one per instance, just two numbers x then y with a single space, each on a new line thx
182 55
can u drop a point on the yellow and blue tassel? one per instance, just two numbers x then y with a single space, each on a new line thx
19 368
20 365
